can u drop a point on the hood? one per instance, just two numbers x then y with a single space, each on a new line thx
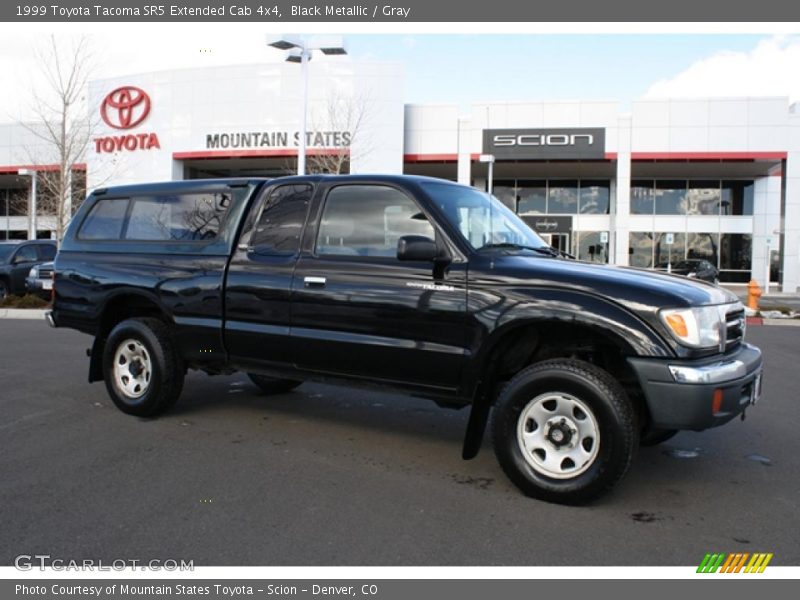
633 287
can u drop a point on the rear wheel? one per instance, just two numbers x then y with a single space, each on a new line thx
273 385
564 431
142 369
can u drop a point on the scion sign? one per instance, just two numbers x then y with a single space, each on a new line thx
543 144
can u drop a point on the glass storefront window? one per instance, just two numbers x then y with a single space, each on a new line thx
507 194
590 248
774 266
642 197
532 197
594 197
703 198
669 253
562 197
670 197
703 245
737 197
734 251
641 249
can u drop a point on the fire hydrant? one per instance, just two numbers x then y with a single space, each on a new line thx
753 294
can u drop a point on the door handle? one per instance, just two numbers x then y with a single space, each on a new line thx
315 281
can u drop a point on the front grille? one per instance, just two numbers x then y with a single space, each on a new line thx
735 325
45 273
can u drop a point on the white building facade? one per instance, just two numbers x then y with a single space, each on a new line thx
712 178
715 178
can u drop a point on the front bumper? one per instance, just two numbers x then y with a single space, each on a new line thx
681 394
37 286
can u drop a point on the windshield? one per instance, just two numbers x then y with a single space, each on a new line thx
5 251
482 219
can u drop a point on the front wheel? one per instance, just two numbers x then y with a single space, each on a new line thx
3 289
142 369
564 431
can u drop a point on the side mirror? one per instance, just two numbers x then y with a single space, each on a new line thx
417 247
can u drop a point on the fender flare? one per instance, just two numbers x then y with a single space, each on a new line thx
96 352
611 320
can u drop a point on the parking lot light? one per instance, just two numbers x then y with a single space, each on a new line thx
300 51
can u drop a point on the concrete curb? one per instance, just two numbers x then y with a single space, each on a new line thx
786 322
22 313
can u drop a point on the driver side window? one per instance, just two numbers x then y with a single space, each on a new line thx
368 220
26 254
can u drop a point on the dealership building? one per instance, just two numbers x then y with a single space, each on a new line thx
646 184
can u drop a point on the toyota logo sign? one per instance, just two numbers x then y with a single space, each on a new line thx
125 107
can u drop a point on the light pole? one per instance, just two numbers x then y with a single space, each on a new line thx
8 216
488 158
299 50
32 217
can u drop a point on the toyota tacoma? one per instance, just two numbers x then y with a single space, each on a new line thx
412 283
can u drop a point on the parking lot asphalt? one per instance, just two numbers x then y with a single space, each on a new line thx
331 476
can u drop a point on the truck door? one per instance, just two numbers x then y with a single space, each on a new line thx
257 315
358 310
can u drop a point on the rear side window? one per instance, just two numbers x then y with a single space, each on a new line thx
179 217
280 224
104 221
169 217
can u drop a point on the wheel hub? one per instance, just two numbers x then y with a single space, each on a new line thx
136 368
132 369
558 435
561 433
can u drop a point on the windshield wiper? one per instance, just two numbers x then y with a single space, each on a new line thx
546 250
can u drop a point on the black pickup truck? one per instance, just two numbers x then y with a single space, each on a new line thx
408 282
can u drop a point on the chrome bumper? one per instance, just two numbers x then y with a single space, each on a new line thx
718 372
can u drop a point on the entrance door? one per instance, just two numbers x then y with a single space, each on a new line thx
559 241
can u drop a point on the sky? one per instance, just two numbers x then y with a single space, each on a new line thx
460 69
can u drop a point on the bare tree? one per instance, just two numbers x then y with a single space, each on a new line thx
63 127
17 201
346 115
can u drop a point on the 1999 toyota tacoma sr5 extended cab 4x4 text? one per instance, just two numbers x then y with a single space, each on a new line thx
409 282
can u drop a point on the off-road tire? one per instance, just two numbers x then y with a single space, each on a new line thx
166 366
611 413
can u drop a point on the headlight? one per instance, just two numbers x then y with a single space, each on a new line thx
34 272
697 327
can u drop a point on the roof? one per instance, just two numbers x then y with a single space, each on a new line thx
199 184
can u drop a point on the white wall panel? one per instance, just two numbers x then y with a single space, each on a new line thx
688 113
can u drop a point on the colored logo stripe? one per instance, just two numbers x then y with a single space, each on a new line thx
758 563
734 562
